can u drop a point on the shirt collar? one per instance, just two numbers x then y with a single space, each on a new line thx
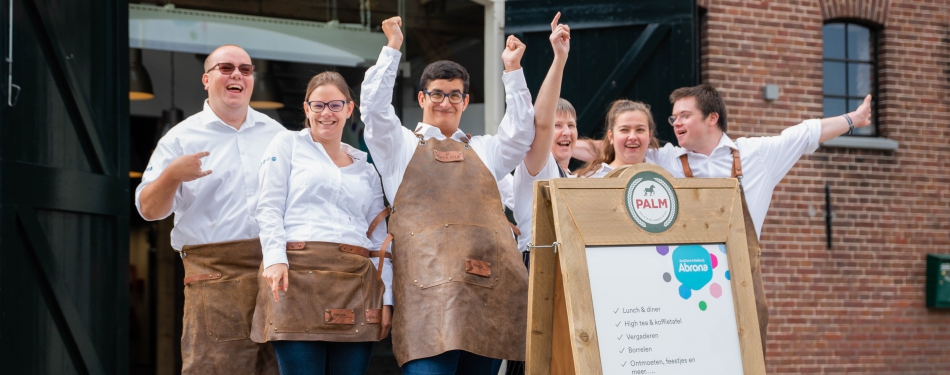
209 117
724 142
429 131
354 153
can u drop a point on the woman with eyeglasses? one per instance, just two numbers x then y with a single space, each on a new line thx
324 297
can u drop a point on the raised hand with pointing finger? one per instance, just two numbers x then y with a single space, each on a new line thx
560 37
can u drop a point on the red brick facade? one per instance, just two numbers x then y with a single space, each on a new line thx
858 307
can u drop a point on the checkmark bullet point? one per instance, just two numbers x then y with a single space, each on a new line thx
619 337
621 350
615 311
623 364
618 324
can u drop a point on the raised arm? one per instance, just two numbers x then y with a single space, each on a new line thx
545 106
834 126
516 130
383 128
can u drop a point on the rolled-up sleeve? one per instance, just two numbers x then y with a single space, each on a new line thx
377 238
274 175
516 130
165 152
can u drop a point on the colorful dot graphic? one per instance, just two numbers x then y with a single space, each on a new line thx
715 290
667 277
702 305
663 250
727 275
685 292
715 261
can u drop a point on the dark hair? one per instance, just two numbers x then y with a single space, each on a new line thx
707 99
327 78
443 69
565 106
607 153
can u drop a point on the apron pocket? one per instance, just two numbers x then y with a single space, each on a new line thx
318 302
229 306
439 257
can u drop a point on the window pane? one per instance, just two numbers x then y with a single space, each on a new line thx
834 78
867 130
859 43
834 107
860 79
833 35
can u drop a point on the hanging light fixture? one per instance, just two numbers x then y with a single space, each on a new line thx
266 94
140 84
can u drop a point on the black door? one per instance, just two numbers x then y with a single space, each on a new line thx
64 188
639 50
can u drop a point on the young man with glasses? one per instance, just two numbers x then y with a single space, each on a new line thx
460 287
760 163
205 170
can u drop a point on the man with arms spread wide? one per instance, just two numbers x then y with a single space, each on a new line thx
760 163
205 170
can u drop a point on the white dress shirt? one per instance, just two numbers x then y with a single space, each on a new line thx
220 206
393 145
765 161
306 197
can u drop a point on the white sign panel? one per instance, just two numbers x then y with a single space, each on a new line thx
664 309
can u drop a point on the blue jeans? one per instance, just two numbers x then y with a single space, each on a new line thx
322 357
454 362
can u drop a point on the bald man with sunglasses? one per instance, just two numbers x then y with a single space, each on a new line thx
205 171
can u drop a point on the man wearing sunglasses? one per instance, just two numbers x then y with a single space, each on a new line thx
205 171
460 286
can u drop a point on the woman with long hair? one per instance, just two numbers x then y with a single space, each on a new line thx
629 133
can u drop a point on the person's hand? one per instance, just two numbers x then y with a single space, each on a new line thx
861 117
387 322
392 27
187 167
560 37
511 56
276 276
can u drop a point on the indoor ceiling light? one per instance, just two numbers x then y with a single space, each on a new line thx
140 84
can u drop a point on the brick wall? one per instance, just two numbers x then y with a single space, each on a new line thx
860 306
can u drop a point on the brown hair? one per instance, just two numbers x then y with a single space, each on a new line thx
326 78
607 153
444 69
708 101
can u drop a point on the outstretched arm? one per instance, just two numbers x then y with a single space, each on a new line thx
545 107
383 132
834 126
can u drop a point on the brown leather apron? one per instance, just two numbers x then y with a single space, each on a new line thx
459 282
755 251
335 294
220 294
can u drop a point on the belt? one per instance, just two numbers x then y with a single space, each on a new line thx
352 249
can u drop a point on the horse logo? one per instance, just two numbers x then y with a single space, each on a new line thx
649 190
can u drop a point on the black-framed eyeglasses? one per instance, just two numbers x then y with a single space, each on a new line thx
455 97
228 68
334 105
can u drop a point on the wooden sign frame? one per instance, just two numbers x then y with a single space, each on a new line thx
577 213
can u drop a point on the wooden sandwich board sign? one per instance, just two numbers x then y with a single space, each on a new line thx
649 274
